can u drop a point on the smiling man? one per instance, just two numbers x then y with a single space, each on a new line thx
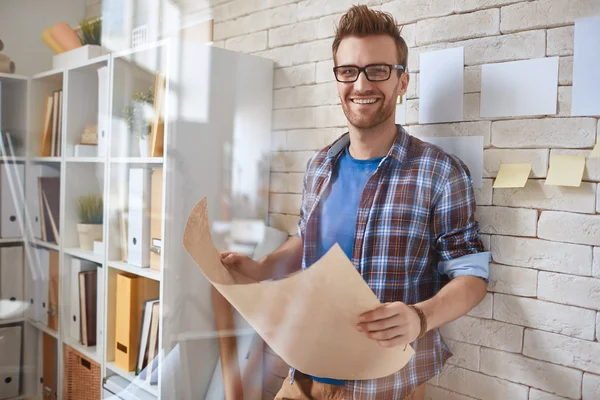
401 209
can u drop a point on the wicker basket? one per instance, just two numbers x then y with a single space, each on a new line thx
82 377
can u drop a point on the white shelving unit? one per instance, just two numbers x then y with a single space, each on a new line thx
216 145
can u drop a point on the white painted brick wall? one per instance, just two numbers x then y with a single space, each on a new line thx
536 394
437 393
592 164
304 31
516 368
545 13
256 22
284 222
252 42
562 350
311 117
569 289
464 355
560 41
306 96
482 128
513 280
481 386
544 133
290 161
472 79
485 332
536 194
485 308
285 203
507 221
591 386
312 139
542 254
295 76
287 182
543 315
565 71
325 71
459 27
596 263
483 195
492 158
471 5
326 26
406 11
309 9
570 228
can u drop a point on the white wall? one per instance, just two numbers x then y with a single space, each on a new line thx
22 23
536 334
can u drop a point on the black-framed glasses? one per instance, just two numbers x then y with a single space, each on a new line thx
373 72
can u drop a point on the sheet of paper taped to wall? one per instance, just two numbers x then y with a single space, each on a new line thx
308 318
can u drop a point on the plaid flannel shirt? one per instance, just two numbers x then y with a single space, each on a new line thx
416 209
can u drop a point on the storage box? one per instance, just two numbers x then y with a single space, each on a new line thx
82 377
78 56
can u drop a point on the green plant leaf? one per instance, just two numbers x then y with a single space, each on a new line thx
90 209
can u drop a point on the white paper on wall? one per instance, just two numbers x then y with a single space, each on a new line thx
401 111
468 148
518 88
586 68
441 86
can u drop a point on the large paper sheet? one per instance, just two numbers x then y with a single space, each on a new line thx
308 319
518 88
468 148
441 86
586 62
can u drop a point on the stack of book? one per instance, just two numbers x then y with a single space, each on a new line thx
52 125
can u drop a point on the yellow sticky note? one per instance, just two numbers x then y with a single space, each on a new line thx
565 170
596 151
512 175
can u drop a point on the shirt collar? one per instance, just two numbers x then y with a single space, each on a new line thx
397 152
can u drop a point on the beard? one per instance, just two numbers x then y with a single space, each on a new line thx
371 117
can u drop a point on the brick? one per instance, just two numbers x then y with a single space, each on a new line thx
306 96
325 71
309 9
471 5
290 161
282 56
471 107
220 44
286 182
248 43
592 165
312 139
598 200
485 308
405 11
516 368
291 34
311 117
564 101
481 386
591 386
326 26
278 141
542 255
551 317
472 79
492 158
239 8
412 91
545 14
485 332
295 76
596 263
412 111
483 195
409 34
569 289
536 194
598 326
458 27
570 228
481 128
513 280
507 221
544 132
565 71
486 240
562 350
285 203
255 22
297 54
284 222
437 393
560 41
465 355
535 394
518 46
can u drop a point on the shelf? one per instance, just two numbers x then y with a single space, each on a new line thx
86 255
88 351
85 159
11 320
43 328
22 397
55 74
47 245
6 159
13 77
145 272
137 160
46 159
130 376
10 240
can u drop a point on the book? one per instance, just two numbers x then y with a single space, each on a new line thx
88 303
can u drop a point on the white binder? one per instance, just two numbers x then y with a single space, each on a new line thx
102 110
33 195
11 273
77 266
138 230
42 286
10 361
12 176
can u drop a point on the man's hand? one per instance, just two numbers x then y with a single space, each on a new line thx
391 324
242 264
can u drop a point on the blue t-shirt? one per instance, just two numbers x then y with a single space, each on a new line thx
338 209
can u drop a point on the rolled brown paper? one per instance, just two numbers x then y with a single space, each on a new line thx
4 57
7 67
65 36
1 45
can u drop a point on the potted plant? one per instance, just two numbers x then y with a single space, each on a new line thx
90 211
139 118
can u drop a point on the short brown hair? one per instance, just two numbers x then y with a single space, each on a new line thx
362 21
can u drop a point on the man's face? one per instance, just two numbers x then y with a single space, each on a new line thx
367 104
